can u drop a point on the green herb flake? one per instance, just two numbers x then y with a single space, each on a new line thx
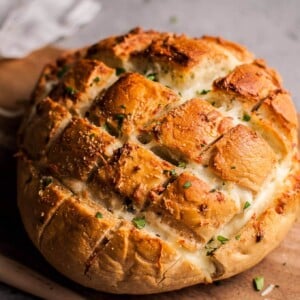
62 71
98 215
170 172
120 71
139 222
46 180
173 19
120 118
203 92
212 190
237 237
187 185
173 172
151 76
96 79
222 239
106 126
258 283
246 117
71 91
182 164
123 106
247 204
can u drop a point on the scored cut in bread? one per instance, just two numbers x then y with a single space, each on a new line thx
152 161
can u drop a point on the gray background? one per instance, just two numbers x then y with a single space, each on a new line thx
269 28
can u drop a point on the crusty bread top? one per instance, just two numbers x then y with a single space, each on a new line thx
158 161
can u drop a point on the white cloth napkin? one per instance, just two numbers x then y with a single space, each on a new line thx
26 25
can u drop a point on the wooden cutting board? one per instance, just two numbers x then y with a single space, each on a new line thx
17 77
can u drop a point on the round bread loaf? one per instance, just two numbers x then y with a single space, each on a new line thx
153 161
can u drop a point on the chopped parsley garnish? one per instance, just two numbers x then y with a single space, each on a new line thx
182 164
222 239
246 117
120 118
173 19
107 126
151 76
98 215
71 91
203 92
237 237
247 204
139 222
187 185
258 282
119 71
171 172
62 71
46 180
96 79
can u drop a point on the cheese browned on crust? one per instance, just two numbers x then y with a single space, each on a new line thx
153 161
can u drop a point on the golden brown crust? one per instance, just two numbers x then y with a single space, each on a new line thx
260 235
145 261
41 195
197 123
49 118
192 203
131 103
128 185
242 156
237 50
116 50
74 223
81 83
252 81
79 149
134 172
53 72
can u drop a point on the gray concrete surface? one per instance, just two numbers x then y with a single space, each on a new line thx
270 28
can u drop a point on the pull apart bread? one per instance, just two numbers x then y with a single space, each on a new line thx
152 161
